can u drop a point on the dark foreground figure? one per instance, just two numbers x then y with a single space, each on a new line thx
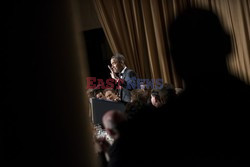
210 119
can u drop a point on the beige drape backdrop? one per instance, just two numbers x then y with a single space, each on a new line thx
137 29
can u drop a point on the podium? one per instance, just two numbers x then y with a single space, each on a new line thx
99 107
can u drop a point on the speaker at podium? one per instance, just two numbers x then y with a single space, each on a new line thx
99 107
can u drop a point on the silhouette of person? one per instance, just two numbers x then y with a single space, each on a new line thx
209 120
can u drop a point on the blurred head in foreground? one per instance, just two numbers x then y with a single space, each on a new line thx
112 122
199 45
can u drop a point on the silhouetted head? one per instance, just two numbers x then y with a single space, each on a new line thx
199 45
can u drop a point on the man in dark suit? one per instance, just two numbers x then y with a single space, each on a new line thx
120 71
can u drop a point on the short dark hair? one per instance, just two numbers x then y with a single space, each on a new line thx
109 89
119 57
97 91
155 93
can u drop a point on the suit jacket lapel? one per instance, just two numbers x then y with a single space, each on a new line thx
125 73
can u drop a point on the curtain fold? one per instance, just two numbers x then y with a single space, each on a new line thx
138 30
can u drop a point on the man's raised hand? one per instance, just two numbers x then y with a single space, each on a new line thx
112 73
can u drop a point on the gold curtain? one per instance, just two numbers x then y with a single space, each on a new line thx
137 29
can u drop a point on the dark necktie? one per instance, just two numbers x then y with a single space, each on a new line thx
120 75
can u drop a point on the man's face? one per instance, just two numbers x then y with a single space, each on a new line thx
109 95
155 101
116 65
100 96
